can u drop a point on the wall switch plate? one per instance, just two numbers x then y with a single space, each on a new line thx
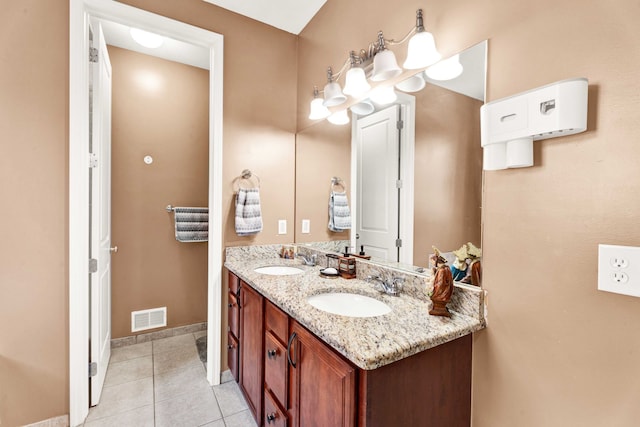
282 226
619 269
306 226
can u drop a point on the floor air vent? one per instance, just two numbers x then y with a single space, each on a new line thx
148 319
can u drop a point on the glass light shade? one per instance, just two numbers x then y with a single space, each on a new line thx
356 82
383 95
333 95
318 111
339 118
447 69
146 39
412 84
363 108
421 51
385 66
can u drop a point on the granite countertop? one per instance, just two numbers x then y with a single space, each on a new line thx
370 342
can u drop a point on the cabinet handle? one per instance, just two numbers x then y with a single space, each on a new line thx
271 418
271 354
238 296
230 305
291 338
230 346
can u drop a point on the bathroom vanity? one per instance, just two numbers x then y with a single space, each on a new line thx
301 366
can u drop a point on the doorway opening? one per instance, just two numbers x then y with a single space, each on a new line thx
80 13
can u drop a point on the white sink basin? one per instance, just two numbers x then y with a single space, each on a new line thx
279 270
352 305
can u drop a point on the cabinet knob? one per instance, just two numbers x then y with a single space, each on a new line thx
271 354
230 346
271 418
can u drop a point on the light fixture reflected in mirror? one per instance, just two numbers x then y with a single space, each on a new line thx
356 83
385 66
447 69
363 108
383 95
146 39
339 118
332 92
412 84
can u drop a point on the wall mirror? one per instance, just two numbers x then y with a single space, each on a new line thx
441 199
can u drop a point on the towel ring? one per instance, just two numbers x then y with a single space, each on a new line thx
337 182
246 175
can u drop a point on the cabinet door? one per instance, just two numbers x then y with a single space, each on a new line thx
232 355
275 368
322 384
251 348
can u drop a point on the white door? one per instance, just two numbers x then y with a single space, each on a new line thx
377 196
100 200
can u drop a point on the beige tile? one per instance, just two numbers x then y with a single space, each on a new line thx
191 409
139 417
241 419
174 383
182 358
122 398
216 423
173 343
199 334
131 352
124 341
129 370
230 398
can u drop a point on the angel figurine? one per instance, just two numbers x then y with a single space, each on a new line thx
442 285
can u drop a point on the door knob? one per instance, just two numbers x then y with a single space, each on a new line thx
114 249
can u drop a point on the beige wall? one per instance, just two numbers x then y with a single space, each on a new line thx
556 352
33 227
161 109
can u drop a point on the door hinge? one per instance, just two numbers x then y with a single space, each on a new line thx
399 184
93 54
93 265
93 369
400 124
398 243
93 160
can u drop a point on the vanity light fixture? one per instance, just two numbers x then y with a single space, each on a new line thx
318 110
340 117
378 64
146 39
412 84
363 108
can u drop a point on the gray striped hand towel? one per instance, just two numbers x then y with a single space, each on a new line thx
248 214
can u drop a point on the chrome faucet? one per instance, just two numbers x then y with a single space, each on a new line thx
391 286
310 260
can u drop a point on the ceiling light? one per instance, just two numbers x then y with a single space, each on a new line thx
146 39
446 69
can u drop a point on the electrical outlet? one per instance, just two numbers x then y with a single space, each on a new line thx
306 226
282 226
619 269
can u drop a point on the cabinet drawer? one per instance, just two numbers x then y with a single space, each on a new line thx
232 355
277 321
275 368
273 414
234 315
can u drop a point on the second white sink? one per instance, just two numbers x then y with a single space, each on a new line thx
279 270
351 305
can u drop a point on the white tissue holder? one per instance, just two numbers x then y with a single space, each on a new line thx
510 125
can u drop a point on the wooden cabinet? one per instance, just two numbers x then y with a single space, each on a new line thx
251 348
233 317
291 378
322 383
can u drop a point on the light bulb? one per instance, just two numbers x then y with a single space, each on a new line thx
339 118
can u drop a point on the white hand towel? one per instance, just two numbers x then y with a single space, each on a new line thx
339 213
248 214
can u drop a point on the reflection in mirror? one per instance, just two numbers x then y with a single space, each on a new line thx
441 202
445 171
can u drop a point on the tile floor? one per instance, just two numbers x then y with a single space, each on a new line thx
163 383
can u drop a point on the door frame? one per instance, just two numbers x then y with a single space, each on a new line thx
78 250
407 105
